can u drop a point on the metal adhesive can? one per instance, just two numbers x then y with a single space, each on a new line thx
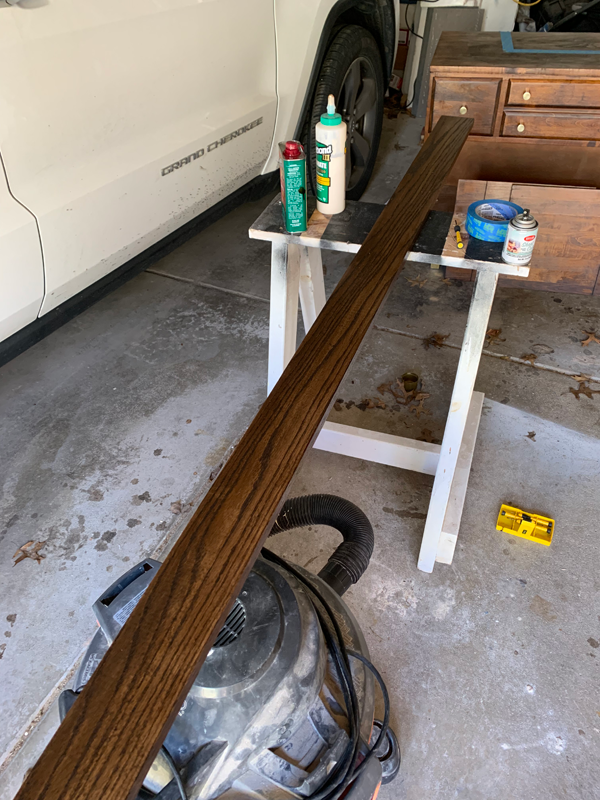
520 239
292 173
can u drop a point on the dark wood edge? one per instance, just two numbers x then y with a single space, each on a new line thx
482 70
112 733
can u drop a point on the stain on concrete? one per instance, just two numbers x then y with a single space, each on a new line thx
405 514
95 495
543 608
157 452
138 499
131 523
105 540
593 642
12 618
2 649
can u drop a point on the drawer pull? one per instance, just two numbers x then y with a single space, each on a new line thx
520 127
526 95
463 109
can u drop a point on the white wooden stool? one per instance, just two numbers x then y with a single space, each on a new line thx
296 270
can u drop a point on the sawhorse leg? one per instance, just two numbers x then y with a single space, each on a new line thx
460 404
295 270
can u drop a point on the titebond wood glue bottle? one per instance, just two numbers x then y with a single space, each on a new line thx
330 135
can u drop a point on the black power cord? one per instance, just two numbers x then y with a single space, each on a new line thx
175 771
347 769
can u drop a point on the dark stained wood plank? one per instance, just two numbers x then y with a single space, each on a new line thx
111 735
482 53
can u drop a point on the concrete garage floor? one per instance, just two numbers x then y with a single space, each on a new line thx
112 426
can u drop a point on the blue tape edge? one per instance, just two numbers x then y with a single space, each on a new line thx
508 47
485 229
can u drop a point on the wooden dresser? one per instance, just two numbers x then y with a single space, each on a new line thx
537 115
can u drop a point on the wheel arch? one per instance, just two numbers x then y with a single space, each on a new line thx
376 16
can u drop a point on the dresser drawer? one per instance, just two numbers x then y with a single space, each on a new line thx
576 94
475 99
551 124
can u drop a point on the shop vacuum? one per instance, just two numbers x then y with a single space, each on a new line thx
283 707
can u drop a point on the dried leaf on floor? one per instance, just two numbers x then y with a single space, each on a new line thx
370 403
493 336
384 387
215 471
176 507
337 406
581 378
447 281
392 104
531 357
416 282
30 549
585 389
435 340
592 336
531 435
420 398
403 396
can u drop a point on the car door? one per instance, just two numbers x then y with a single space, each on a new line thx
21 267
122 119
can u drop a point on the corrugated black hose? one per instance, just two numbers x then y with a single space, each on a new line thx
351 558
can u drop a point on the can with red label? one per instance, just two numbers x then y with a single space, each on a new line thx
520 239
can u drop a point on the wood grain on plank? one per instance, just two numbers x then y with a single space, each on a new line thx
109 738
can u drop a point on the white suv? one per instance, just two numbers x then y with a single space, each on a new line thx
126 125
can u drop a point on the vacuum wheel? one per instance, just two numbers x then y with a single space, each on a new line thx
388 752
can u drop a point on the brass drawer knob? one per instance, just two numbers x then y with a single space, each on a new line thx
526 95
520 127
463 109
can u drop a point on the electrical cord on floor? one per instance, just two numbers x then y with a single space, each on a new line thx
347 769
175 771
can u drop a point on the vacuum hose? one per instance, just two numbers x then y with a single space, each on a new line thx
351 558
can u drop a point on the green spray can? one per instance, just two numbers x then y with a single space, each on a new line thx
292 172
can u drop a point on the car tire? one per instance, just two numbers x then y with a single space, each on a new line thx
353 73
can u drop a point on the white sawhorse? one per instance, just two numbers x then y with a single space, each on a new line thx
296 270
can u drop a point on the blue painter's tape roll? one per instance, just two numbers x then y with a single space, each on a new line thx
488 219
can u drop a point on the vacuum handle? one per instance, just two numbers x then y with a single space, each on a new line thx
114 606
